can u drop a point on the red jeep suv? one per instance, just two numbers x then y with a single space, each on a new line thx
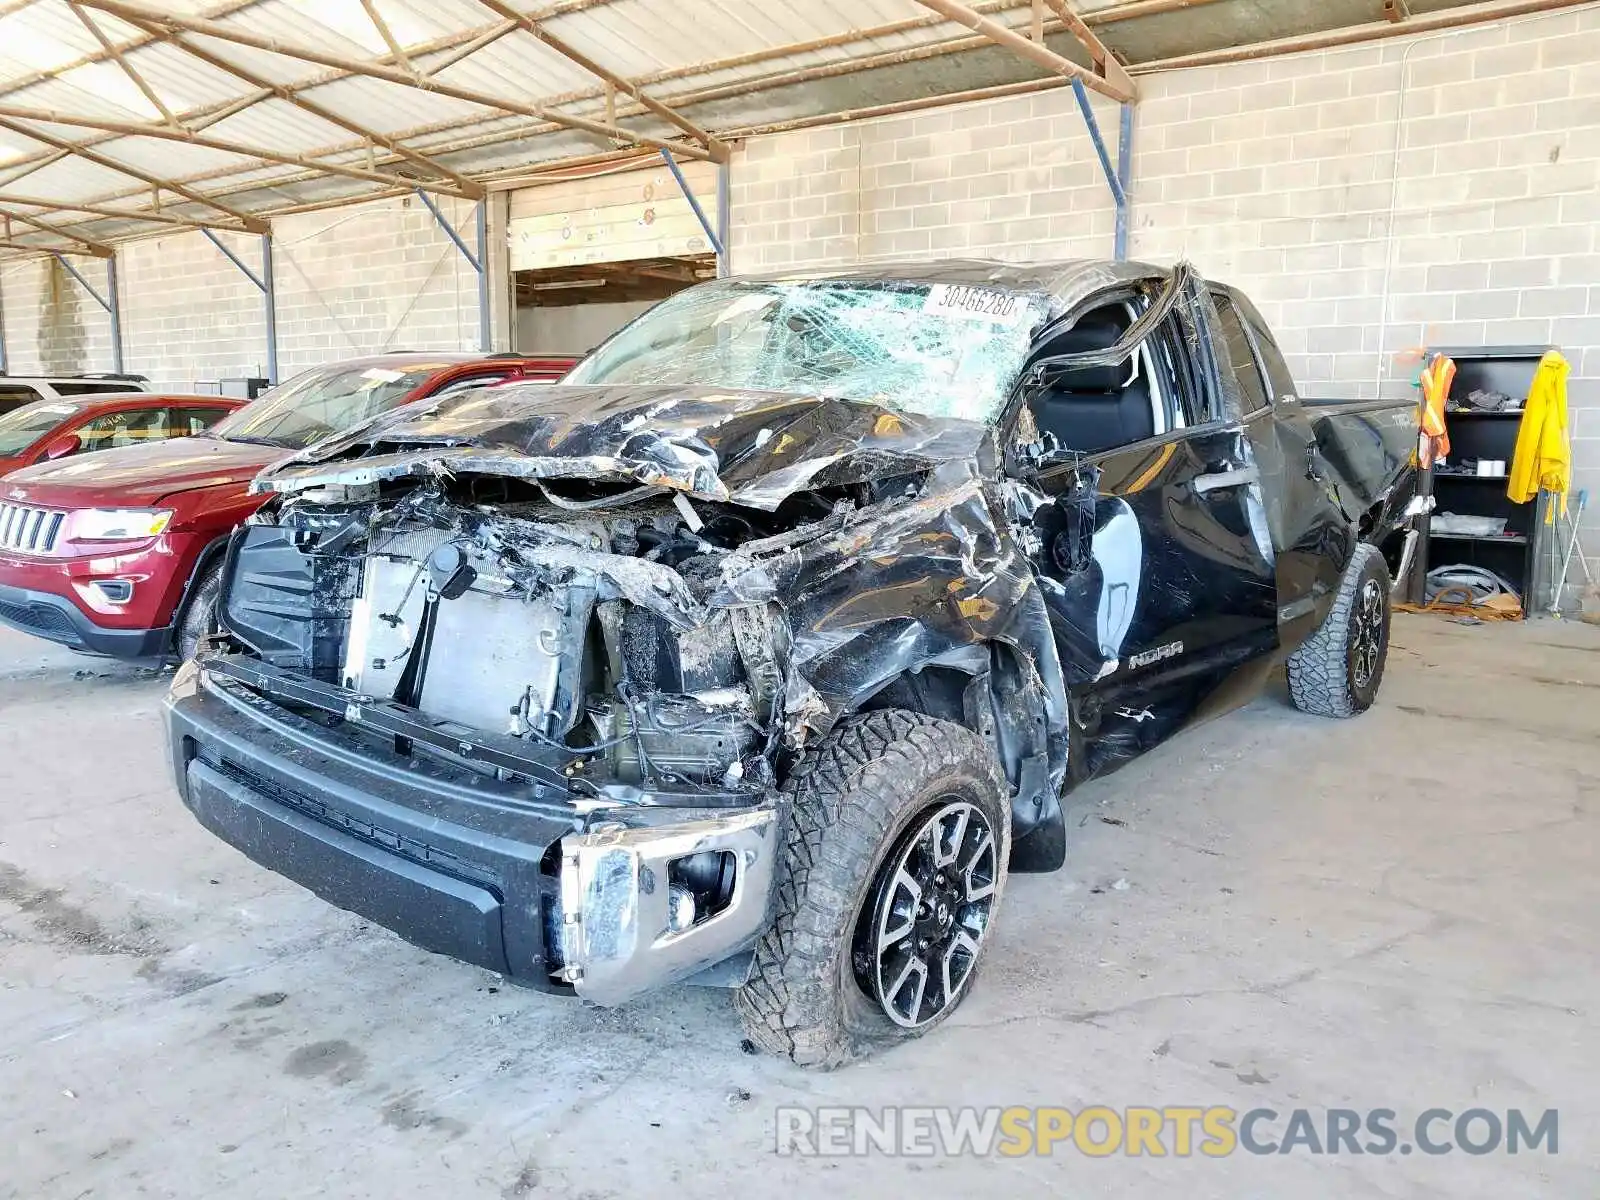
119 552
47 430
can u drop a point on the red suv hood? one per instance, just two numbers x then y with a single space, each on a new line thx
134 476
7 465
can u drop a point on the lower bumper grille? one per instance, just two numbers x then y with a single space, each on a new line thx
411 848
42 620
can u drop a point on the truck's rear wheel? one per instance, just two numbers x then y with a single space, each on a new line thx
894 861
1337 670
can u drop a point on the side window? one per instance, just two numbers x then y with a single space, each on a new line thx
1092 409
132 428
1236 345
1267 351
189 421
472 381
15 396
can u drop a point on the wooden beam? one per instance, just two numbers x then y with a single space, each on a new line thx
489 36
134 77
104 210
19 82
98 249
382 27
6 244
252 224
372 70
1105 63
531 26
1448 18
190 136
1042 56
464 186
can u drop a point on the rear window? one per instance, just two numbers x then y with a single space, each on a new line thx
13 395
80 387
324 401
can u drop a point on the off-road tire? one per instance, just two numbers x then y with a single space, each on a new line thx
1323 673
850 800
199 616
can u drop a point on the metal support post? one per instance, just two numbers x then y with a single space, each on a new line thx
1119 195
265 285
269 297
114 307
485 332
1125 178
476 261
699 213
724 217
107 302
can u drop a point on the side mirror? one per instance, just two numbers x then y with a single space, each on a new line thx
63 446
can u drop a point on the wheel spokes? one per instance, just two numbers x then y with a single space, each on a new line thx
914 969
905 894
982 888
948 835
961 954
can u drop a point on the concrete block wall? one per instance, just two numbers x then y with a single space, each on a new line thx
350 281
1373 199
51 324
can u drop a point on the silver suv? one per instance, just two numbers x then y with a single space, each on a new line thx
17 390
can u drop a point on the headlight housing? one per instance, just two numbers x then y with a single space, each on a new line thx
117 524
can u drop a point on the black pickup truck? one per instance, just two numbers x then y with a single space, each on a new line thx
758 652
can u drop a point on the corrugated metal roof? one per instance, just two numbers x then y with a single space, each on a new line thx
726 65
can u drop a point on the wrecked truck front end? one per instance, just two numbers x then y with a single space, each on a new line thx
490 733
522 683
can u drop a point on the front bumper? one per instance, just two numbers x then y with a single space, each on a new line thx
59 598
57 619
461 864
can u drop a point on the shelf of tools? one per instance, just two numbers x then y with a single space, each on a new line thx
1478 538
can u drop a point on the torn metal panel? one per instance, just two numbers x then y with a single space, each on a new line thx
746 447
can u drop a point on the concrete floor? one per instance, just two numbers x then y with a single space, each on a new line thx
1397 911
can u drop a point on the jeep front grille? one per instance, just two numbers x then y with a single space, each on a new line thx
29 529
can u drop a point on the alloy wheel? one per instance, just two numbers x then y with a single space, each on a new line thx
918 944
1366 646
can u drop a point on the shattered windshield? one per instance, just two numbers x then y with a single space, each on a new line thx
320 402
942 350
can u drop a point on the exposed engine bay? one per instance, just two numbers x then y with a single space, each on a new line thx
635 640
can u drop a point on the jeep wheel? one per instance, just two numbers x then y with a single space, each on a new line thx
199 618
1337 670
894 860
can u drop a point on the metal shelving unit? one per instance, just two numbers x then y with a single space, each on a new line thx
1515 554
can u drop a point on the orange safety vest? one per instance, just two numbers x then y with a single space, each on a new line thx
1436 378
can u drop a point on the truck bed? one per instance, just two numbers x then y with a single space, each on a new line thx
1371 445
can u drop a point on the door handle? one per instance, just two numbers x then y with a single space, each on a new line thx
1238 477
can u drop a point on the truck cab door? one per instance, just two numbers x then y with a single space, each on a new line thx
1146 526
1311 537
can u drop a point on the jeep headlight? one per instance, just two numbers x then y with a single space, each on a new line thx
117 524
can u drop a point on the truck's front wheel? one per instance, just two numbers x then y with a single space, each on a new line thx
894 861
1337 670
